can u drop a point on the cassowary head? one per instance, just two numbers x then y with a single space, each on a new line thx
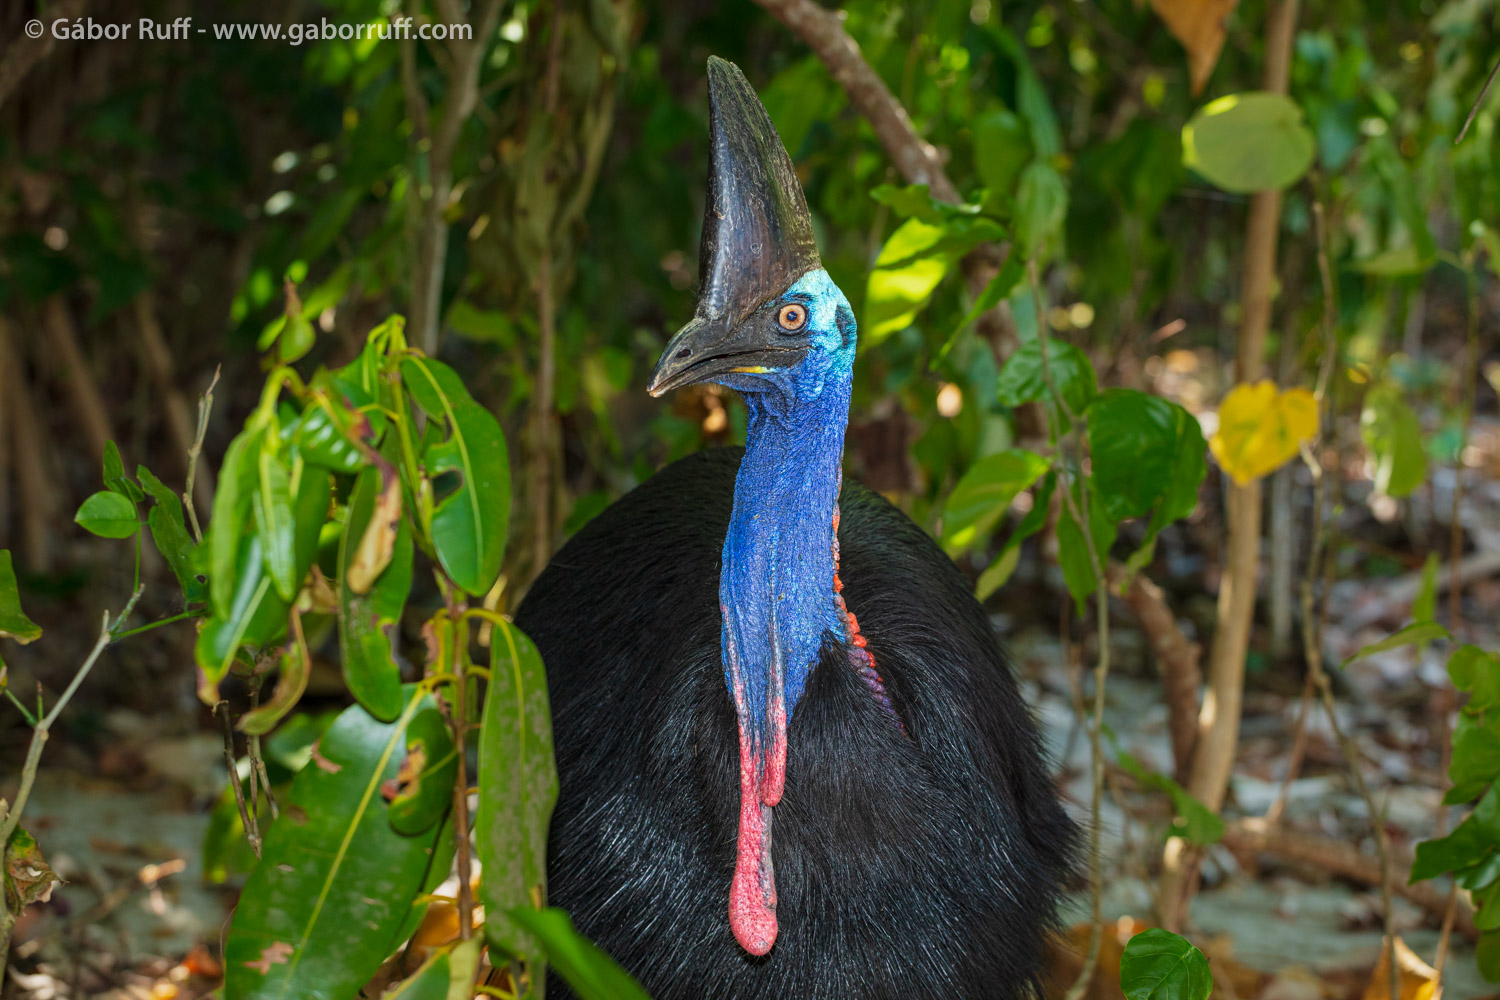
769 319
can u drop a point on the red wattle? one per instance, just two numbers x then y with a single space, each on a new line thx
752 894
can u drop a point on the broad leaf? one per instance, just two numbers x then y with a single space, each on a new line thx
1132 445
1160 965
13 621
995 575
1476 753
170 535
368 621
1467 845
998 289
108 515
470 519
115 479
1249 142
446 975
1002 146
333 889
1261 428
1192 820
985 491
583 964
237 476
1476 671
1413 634
911 265
291 681
1189 466
1023 379
1041 206
255 616
519 778
27 876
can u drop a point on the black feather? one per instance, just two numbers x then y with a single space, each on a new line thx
909 864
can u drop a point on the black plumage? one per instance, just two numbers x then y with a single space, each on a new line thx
912 861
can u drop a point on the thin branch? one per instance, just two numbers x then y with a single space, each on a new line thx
23 54
252 832
205 407
11 818
1478 102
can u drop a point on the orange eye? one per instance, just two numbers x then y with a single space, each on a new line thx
792 317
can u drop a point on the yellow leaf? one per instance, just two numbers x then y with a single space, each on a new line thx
1260 428
1199 26
1417 979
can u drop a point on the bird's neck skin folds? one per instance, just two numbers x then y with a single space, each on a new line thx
776 593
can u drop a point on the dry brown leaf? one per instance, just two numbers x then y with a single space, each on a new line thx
1418 979
379 541
1199 26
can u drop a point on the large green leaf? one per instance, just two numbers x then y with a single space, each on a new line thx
1248 142
1393 434
911 265
13 621
335 882
1160 965
1132 445
255 616
470 519
1476 671
1041 206
517 789
584 965
424 788
447 975
115 479
1023 380
1002 146
170 535
368 621
108 515
232 503
1189 466
984 492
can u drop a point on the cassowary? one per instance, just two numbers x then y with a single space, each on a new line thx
752 660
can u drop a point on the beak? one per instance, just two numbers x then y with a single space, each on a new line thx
705 351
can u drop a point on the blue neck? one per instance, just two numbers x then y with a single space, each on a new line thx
776 588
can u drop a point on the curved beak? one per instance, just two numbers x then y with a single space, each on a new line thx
706 351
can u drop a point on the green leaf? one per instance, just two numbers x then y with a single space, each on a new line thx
425 781
1476 751
115 479
333 889
999 289
484 325
291 682
108 515
985 491
518 783
237 476
582 964
1476 671
1041 206
314 436
1022 379
272 503
1467 845
1189 465
13 621
1424 608
469 521
170 535
1393 434
255 616
368 621
446 975
1248 142
1487 907
913 262
1481 874
1487 954
915 201
1160 965
1413 634
1192 820
1132 444
1002 146
296 339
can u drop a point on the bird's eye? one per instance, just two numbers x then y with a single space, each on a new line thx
792 317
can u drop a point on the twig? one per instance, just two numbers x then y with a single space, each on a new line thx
1474 112
252 831
1176 655
1101 668
205 406
252 744
1299 751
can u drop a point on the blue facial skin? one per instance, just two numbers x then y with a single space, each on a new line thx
776 586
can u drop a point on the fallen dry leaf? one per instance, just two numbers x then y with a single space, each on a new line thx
1199 26
1418 980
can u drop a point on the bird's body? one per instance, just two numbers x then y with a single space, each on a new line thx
910 864
774 698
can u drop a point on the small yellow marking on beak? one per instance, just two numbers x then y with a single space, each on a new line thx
751 370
